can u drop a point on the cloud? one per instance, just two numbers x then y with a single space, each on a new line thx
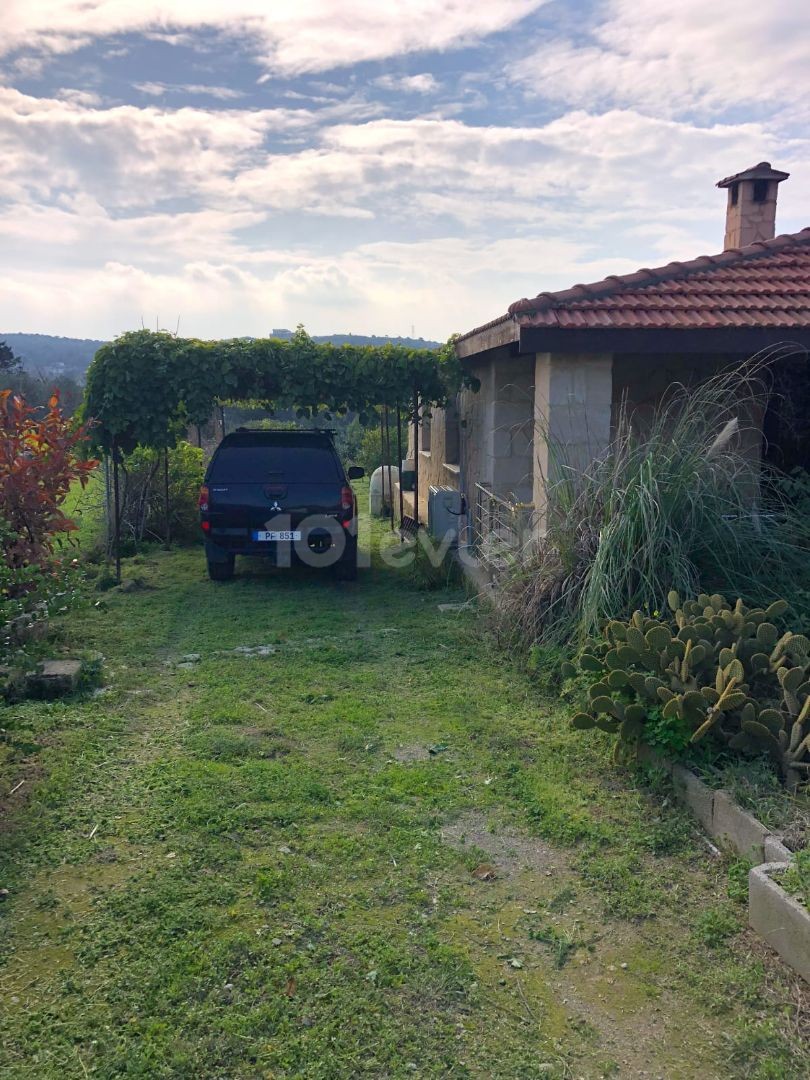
328 292
579 171
424 83
221 216
670 59
159 89
309 36
126 156
79 97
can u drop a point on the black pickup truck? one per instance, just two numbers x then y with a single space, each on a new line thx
281 494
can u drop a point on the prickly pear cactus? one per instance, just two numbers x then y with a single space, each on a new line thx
724 671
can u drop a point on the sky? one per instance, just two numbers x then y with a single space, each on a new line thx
226 167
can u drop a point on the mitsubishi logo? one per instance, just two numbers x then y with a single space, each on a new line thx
275 506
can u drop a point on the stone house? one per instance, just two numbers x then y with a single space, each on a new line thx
566 362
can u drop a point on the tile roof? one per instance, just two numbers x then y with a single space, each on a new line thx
766 284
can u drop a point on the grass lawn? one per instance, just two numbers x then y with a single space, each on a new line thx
322 830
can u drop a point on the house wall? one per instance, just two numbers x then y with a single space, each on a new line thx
641 381
433 469
495 429
577 398
573 406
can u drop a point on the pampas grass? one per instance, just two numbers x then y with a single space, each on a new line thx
677 504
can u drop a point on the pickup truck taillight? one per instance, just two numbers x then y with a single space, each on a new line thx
346 503
203 503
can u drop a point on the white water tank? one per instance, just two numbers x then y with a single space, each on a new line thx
379 493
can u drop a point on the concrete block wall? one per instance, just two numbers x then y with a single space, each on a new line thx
496 434
572 417
641 383
506 465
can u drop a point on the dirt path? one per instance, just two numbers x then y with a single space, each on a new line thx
323 831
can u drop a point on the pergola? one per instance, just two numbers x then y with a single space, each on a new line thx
145 388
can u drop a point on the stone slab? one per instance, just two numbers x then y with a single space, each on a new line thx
739 828
55 678
778 918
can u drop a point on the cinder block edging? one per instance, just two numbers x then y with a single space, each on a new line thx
719 814
774 914
778 918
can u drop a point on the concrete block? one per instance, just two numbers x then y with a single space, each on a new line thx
778 918
775 850
55 678
699 797
745 834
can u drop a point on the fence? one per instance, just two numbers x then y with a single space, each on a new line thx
501 530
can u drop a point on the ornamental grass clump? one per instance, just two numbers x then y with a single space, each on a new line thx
703 671
679 501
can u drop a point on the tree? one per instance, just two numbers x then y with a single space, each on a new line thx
8 361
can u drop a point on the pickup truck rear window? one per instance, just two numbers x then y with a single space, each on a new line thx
264 464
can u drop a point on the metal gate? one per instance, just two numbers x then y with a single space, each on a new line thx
502 530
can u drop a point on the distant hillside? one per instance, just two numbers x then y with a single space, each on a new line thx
52 355
72 356
363 339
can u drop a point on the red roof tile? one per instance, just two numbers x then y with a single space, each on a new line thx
765 284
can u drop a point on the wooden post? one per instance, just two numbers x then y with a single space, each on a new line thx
382 454
416 458
199 435
117 509
399 464
108 504
166 507
390 473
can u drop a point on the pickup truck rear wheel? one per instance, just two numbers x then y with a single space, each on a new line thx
221 571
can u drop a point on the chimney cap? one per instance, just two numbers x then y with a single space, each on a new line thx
762 171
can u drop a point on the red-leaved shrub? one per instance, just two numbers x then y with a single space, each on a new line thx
38 463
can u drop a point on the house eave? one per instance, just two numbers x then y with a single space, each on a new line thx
714 340
493 336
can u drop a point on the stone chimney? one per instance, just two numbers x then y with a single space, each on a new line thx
751 210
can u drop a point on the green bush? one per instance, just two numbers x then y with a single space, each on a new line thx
703 671
142 494
31 589
370 454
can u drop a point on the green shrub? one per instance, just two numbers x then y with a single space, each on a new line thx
705 671
370 453
142 494
31 589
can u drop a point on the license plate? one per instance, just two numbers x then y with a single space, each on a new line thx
277 534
